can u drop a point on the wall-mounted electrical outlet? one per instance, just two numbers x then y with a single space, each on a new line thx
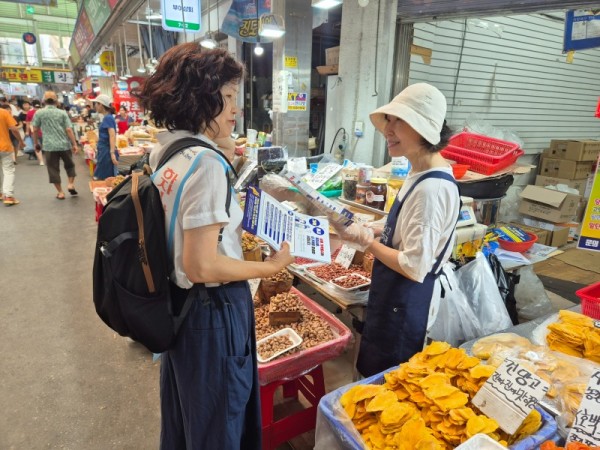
359 128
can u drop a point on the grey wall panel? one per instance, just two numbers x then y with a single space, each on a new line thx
518 80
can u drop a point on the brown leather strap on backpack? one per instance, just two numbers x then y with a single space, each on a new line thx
143 256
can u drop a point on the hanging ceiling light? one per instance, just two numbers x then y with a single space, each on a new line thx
122 77
326 4
153 15
128 73
208 41
271 26
258 50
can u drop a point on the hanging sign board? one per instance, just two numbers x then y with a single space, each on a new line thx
586 428
510 394
589 237
345 256
181 15
241 21
582 29
98 12
107 60
29 38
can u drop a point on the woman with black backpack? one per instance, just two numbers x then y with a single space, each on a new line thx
209 379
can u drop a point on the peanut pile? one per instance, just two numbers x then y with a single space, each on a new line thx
284 302
312 329
351 281
249 242
282 275
328 272
274 345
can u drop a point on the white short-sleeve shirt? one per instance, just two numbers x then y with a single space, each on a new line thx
426 221
200 202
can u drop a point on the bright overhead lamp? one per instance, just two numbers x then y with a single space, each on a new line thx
271 26
326 4
208 41
258 50
140 69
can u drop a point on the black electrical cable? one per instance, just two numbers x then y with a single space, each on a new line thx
335 137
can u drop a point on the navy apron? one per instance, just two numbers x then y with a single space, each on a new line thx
209 387
398 308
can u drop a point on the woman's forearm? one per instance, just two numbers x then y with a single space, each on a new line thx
388 256
223 269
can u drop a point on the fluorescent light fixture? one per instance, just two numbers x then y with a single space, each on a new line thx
141 69
258 50
326 4
154 16
208 42
96 89
271 26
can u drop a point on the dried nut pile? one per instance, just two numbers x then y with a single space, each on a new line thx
117 180
351 281
312 329
249 242
284 302
282 275
299 260
274 345
328 272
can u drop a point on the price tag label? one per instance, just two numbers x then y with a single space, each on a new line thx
363 218
297 165
316 180
586 428
510 394
345 256
254 282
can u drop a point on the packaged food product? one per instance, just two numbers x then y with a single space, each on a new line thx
375 193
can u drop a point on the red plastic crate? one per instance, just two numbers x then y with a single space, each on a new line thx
590 300
476 163
296 364
484 148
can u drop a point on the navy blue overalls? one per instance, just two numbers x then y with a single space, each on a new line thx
398 307
209 381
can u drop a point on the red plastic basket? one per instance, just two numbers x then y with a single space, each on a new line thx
590 300
476 163
490 150
296 364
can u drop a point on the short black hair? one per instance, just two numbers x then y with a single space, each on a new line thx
184 93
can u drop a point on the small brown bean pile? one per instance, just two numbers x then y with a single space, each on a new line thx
282 275
271 346
328 272
351 281
312 329
284 302
249 242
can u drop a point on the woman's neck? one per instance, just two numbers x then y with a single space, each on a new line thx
424 160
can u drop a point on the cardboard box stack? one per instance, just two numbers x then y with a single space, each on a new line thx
556 215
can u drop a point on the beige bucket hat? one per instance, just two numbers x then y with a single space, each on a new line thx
421 105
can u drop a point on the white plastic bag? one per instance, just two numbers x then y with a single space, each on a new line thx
531 297
456 322
477 280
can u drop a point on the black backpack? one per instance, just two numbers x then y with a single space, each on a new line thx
132 291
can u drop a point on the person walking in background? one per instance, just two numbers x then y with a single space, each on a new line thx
124 120
36 105
8 126
107 157
59 142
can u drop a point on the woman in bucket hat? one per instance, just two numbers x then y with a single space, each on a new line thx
417 237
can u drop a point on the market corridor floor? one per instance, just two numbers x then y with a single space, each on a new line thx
66 380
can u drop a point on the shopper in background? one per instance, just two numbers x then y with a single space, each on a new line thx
418 235
209 381
36 105
124 120
8 127
59 142
107 157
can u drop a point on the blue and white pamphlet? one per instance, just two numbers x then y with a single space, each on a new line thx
274 223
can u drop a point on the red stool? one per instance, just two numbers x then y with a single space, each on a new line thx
275 433
99 209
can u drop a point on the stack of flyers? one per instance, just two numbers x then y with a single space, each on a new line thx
274 223
337 213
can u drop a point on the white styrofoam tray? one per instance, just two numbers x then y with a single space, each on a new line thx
292 336
480 442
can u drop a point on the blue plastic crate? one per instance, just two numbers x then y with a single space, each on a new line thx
351 439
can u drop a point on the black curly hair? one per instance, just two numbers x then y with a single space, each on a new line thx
184 93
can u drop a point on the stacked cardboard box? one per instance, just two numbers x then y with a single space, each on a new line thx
569 160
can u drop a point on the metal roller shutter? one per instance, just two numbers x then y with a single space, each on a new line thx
411 11
510 72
